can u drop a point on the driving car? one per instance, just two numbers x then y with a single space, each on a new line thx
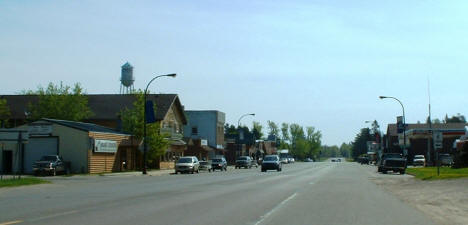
271 162
50 164
243 161
204 165
419 160
291 160
219 164
284 160
187 164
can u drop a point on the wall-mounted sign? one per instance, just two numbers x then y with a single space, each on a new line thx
105 146
204 142
40 129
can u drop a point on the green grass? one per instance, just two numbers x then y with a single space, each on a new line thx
430 173
21 182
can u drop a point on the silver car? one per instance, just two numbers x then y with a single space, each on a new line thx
187 164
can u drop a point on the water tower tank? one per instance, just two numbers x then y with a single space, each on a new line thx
127 78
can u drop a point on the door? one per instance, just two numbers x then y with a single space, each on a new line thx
38 147
7 162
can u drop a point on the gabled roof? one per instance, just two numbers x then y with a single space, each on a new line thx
88 127
103 106
392 128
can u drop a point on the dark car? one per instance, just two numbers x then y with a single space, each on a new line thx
392 162
50 164
271 162
445 160
219 164
244 161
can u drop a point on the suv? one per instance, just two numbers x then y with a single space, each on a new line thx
419 160
244 161
271 162
187 164
219 164
50 164
445 160
392 161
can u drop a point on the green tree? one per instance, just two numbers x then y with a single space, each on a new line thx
4 113
455 119
133 123
285 132
345 150
60 102
314 141
257 130
273 128
359 146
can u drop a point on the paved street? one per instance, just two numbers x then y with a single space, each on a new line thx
303 193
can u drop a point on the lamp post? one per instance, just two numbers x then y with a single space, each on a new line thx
238 127
145 120
404 121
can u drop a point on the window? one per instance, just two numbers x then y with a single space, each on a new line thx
194 130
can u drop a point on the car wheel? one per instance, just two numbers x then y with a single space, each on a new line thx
384 171
263 170
402 171
54 173
225 168
176 172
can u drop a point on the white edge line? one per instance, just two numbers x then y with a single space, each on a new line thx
275 208
55 215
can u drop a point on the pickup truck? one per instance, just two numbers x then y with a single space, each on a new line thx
50 164
392 161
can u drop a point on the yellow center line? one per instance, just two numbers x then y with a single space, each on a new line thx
11 222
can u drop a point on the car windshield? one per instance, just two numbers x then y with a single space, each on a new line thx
203 163
48 158
419 157
394 155
270 158
242 158
216 160
185 160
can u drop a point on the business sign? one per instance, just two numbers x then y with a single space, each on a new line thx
400 125
105 146
204 142
40 129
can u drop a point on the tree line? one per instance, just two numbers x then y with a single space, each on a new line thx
303 142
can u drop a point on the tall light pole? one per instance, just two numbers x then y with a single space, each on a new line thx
238 127
145 120
404 121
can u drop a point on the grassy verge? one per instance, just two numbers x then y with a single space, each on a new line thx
21 182
349 160
430 173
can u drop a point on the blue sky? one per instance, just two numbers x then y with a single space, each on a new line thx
316 63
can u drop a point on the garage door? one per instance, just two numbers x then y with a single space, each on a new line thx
38 147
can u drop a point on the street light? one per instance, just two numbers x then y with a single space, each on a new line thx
248 114
144 117
238 127
404 121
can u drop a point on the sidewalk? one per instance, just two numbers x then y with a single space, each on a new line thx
139 173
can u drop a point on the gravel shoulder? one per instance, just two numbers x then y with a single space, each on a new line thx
445 201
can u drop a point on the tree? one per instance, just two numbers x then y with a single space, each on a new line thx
257 129
60 102
359 146
273 128
4 113
345 150
314 139
133 123
455 119
285 132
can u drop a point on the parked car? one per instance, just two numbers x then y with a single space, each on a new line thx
50 164
308 160
187 164
204 165
445 160
219 164
244 161
419 160
291 160
392 161
271 162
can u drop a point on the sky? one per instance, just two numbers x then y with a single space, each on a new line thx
315 63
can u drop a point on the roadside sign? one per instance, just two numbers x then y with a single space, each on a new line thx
438 139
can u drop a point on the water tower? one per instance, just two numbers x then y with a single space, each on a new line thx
126 79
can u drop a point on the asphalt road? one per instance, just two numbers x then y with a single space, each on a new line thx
303 193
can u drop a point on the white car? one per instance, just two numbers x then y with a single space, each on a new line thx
187 164
419 160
